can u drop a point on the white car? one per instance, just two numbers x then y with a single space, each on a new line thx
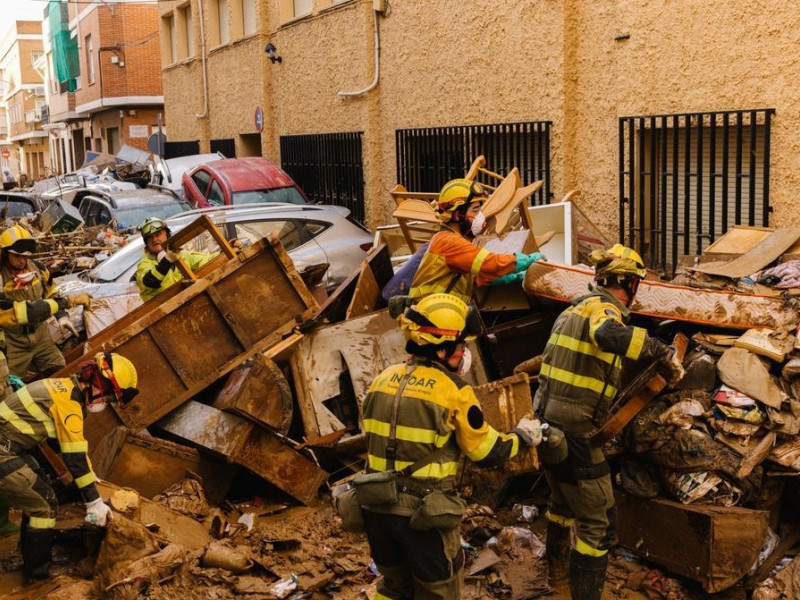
312 234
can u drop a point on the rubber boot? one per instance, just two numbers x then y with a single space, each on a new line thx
557 551
587 575
36 546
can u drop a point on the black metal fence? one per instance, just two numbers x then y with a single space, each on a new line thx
226 146
429 157
328 167
685 179
176 149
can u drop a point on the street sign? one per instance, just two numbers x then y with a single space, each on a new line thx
259 118
156 143
6 153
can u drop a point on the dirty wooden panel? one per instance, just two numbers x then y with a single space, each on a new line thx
149 465
766 251
739 239
713 545
197 345
719 308
258 392
244 443
367 295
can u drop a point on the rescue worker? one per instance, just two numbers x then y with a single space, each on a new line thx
580 373
28 289
419 417
53 408
452 264
156 270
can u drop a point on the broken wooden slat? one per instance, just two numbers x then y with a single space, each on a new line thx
366 296
713 545
763 253
248 445
719 308
260 393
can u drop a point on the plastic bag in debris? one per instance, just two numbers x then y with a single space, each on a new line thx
525 513
185 496
701 487
510 537
770 543
400 283
731 397
682 414
285 586
752 415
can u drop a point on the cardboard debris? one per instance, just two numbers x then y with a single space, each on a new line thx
765 252
746 372
767 342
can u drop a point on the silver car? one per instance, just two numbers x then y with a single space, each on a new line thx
312 234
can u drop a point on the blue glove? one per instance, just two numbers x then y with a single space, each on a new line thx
506 279
525 260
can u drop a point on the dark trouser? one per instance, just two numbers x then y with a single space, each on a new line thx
35 351
415 564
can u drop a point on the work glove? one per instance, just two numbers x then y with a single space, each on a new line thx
66 324
671 368
84 300
98 513
170 255
529 431
526 260
506 279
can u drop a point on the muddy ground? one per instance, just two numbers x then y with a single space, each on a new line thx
328 563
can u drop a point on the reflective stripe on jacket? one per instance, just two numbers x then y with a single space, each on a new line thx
51 408
33 302
436 409
582 361
154 276
450 253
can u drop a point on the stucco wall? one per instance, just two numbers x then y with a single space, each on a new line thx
464 62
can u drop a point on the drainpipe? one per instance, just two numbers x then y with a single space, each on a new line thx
374 83
204 115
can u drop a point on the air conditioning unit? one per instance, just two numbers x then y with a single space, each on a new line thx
38 90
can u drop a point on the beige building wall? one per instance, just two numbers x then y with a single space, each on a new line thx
581 65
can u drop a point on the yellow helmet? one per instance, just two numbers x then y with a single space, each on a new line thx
120 372
457 193
619 261
435 319
17 240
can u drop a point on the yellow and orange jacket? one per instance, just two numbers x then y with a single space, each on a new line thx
50 408
451 254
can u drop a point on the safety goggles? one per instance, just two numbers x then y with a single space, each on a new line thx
476 190
151 227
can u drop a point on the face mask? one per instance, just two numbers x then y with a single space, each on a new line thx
96 407
478 224
465 364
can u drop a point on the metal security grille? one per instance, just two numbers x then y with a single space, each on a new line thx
428 158
176 149
328 167
686 178
226 146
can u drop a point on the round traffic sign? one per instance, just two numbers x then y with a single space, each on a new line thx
6 153
259 119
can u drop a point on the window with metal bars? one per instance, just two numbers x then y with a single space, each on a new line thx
427 158
225 145
176 149
328 167
686 178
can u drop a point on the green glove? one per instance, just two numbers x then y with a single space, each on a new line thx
506 279
525 260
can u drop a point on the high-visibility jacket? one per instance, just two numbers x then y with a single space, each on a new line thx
154 276
582 362
436 409
450 254
50 408
33 302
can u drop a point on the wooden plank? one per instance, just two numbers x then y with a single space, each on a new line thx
739 239
718 308
767 251
713 545
367 295
260 393
246 444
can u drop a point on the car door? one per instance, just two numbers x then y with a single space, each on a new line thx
197 187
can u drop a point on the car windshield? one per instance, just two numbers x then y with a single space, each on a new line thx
290 195
132 217
16 208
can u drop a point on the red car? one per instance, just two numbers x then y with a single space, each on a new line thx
240 181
